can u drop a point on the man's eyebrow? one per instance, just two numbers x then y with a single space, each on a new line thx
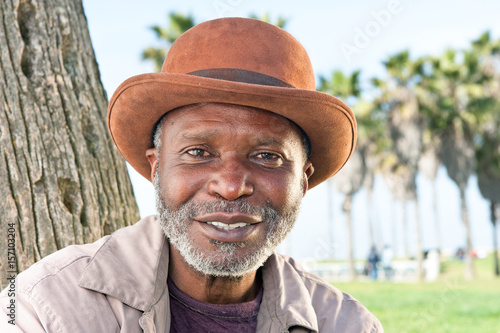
269 141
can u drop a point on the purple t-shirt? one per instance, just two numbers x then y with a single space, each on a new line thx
190 315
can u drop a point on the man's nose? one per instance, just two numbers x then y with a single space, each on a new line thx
231 180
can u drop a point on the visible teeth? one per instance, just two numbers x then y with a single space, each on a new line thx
228 226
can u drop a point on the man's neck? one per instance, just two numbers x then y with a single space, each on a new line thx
211 289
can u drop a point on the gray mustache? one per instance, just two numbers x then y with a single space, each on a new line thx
265 212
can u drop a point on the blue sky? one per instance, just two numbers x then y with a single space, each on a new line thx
345 35
119 29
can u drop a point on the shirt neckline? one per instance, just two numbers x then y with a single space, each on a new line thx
239 310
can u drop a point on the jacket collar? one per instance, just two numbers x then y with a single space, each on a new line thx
132 265
286 300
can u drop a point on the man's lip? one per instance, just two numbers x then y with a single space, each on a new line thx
239 234
228 218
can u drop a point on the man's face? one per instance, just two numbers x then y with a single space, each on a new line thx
229 184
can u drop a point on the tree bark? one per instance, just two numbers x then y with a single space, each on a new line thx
62 181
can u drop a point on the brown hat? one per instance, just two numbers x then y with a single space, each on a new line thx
236 61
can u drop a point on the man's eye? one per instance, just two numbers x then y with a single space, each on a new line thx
197 152
267 159
268 156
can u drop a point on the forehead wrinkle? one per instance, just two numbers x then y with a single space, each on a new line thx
207 135
190 131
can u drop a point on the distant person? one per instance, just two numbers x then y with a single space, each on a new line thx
460 254
387 256
373 260
232 133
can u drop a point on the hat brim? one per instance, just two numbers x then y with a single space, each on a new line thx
142 100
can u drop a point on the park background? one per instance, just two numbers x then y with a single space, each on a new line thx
120 31
62 182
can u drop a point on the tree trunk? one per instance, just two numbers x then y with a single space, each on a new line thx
370 217
469 264
436 217
394 229
330 219
61 179
428 165
406 243
496 249
418 243
347 207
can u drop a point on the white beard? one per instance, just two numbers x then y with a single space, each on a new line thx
225 262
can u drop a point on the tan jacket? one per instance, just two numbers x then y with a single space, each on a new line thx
118 284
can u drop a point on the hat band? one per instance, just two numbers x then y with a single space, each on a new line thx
241 75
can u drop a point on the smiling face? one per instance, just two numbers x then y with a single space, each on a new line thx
229 185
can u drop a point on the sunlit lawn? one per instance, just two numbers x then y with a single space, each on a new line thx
450 304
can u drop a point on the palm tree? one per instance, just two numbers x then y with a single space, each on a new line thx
398 100
344 86
488 146
456 86
429 161
280 22
178 24
488 172
350 178
373 144
348 181
360 170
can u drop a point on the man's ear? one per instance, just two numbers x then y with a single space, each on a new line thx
152 155
308 171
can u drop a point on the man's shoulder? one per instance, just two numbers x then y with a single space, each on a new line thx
49 293
57 269
49 286
331 304
70 261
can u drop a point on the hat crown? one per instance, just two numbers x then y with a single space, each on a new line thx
245 50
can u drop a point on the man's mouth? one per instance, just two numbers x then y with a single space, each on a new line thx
229 227
226 226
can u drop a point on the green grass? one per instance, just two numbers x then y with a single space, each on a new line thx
450 304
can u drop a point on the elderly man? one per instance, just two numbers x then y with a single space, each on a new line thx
232 133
